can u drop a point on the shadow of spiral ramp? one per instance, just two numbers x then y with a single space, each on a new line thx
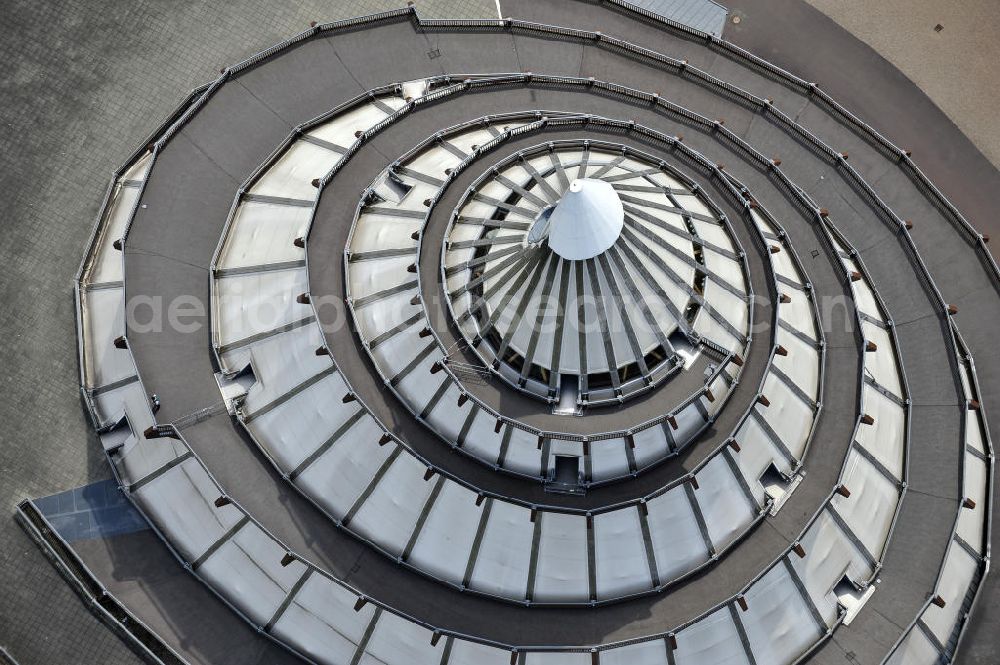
420 240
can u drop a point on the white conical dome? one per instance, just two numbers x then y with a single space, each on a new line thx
586 221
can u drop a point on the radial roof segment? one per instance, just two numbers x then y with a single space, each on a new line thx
586 221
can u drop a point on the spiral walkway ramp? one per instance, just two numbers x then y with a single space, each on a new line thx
577 336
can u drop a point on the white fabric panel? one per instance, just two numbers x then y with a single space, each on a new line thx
131 400
447 417
689 422
881 363
802 362
103 320
864 297
973 433
557 658
419 386
505 553
608 459
385 314
376 232
446 538
368 277
715 234
644 653
650 445
321 621
783 264
777 619
712 639
140 169
262 233
959 570
720 390
340 130
707 327
471 137
434 161
282 362
829 556
727 512
523 454
694 204
394 354
464 652
247 571
798 312
180 503
562 568
481 440
249 304
756 454
620 554
139 456
390 512
733 309
677 542
789 417
751 436
292 174
886 438
872 503
399 641
106 263
916 649
291 431
342 473
971 521
290 447
616 326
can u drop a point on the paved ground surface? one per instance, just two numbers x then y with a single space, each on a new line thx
955 66
85 86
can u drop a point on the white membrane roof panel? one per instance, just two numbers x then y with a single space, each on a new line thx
263 233
870 508
777 619
653 652
562 569
103 320
727 511
916 649
291 176
713 640
247 570
678 545
505 554
398 641
321 620
390 512
886 438
106 264
250 304
291 431
447 535
181 504
958 575
464 652
829 556
339 476
620 554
